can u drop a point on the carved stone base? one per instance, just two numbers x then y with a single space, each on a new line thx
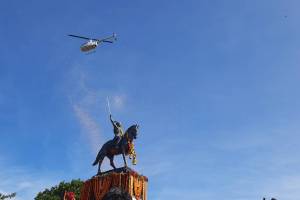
119 184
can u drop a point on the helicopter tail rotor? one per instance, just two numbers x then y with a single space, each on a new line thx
114 36
110 39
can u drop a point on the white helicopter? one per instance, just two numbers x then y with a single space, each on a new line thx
93 43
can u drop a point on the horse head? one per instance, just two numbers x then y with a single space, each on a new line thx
132 132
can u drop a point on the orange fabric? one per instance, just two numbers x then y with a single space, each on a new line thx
97 187
100 187
138 187
85 191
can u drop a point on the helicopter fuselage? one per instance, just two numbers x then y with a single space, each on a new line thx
91 44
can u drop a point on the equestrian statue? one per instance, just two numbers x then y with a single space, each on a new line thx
122 143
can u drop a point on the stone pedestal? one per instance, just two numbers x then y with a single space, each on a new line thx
120 184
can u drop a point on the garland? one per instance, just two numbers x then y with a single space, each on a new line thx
131 151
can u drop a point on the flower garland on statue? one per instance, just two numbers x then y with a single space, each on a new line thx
131 151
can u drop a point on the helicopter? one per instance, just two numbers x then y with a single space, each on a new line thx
93 43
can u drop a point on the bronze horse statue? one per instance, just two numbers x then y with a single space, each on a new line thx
125 148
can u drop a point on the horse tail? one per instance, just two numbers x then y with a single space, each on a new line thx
99 155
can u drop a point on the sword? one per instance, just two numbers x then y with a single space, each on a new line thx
108 105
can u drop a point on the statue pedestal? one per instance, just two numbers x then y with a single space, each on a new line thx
119 184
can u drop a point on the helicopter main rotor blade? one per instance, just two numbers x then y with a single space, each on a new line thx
86 38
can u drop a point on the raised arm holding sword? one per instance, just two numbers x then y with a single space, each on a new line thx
117 128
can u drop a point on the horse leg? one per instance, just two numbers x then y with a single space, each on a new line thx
124 158
111 158
100 163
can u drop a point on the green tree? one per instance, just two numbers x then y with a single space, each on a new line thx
9 196
57 192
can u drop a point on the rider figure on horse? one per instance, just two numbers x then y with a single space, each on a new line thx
118 131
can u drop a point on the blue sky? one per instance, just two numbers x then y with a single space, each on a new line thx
213 84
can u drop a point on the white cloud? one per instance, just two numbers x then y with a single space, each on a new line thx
118 101
24 182
283 187
85 102
90 127
88 102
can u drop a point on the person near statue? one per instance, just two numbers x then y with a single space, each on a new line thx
69 196
118 131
